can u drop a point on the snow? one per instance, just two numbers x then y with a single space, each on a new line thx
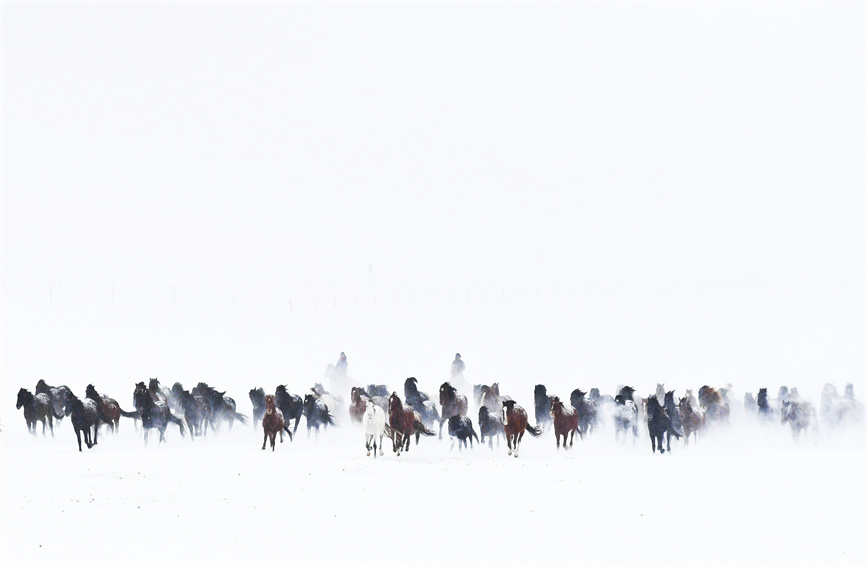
744 495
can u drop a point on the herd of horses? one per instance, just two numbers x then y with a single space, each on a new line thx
382 413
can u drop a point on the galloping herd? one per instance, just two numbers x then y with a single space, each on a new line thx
382 413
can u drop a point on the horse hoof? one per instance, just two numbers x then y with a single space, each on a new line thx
368 453
510 453
381 454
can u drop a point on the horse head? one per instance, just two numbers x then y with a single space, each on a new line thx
394 403
447 393
24 397
508 407
269 404
556 406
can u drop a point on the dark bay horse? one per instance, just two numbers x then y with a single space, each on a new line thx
515 423
84 415
196 413
692 421
453 404
673 413
272 422
109 410
565 422
404 421
490 426
36 408
658 425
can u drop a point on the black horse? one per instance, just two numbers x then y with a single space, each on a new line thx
764 407
257 397
84 415
154 414
420 402
36 408
542 404
461 427
453 404
220 406
490 426
316 413
586 411
292 407
673 413
196 413
378 390
658 424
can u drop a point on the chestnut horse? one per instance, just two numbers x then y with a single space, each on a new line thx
515 423
565 422
453 404
272 422
404 421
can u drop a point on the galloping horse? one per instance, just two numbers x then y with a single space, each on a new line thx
586 411
657 424
420 402
373 422
798 415
453 404
490 426
154 414
257 398
692 421
109 410
404 421
565 421
291 405
317 414
625 414
515 423
461 428
36 408
542 404
272 422
57 396
84 415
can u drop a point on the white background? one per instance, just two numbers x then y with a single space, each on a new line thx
578 194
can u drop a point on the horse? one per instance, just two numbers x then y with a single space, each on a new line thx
586 411
514 424
333 401
373 422
221 408
673 413
490 426
291 405
692 421
658 424
404 421
257 398
461 428
750 405
491 398
453 404
196 413
84 415
378 391
157 392
763 405
109 410
798 415
420 402
565 422
542 405
625 414
36 408
317 414
272 422
360 399
840 411
716 409
57 396
154 414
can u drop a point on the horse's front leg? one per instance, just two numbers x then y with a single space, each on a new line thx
264 440
441 432
78 435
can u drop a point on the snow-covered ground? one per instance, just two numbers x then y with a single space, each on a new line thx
747 495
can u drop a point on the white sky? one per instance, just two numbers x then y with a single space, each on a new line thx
576 194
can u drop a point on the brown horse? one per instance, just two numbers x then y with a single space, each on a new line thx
453 404
272 422
109 409
515 423
692 421
565 421
404 421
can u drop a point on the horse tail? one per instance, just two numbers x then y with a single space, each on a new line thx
329 419
132 414
473 431
241 417
534 431
419 426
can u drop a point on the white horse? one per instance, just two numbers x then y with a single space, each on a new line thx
374 426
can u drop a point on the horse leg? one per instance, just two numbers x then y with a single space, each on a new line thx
652 444
441 431
78 435
273 440
381 453
265 440
509 442
668 441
